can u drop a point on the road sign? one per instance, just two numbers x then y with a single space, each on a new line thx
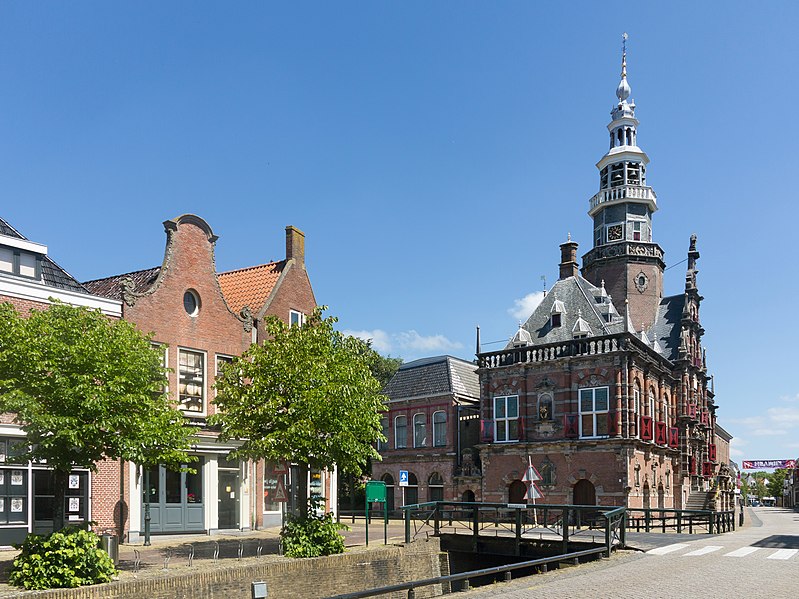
531 475
403 481
533 492
280 491
280 468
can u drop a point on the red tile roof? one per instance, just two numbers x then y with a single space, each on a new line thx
250 286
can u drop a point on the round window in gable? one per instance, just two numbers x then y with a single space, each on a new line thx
191 302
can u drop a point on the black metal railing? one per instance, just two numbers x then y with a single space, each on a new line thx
517 521
680 521
542 563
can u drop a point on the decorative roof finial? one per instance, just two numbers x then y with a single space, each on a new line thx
623 91
568 236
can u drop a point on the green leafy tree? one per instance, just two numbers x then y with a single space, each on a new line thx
307 395
86 388
382 367
776 482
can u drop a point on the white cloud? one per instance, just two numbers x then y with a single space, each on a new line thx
381 341
406 343
415 342
735 447
523 308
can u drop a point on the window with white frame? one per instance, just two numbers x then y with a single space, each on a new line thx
191 381
296 318
636 409
439 428
651 404
506 418
594 412
401 432
419 430
665 409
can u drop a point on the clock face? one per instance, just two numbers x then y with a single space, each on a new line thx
615 232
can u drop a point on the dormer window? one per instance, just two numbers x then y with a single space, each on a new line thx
18 262
558 309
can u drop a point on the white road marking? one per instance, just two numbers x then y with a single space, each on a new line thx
783 554
704 550
742 552
667 549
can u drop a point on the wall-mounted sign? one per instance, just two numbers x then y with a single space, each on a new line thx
755 464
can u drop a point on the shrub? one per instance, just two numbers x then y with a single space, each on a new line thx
312 535
67 558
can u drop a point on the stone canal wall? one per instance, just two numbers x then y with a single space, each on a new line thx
286 579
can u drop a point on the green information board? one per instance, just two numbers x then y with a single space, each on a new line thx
375 491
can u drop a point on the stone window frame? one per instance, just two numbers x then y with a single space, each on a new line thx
507 421
596 415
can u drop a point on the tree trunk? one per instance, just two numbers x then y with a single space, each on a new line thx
302 490
60 481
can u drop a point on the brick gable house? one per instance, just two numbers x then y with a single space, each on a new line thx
204 319
431 427
606 385
30 279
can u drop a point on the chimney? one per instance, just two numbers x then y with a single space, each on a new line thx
295 244
568 259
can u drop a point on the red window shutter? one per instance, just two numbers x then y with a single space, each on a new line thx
646 428
707 469
674 437
705 418
691 410
711 452
660 433
613 424
692 464
571 426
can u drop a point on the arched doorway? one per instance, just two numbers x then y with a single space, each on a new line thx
584 493
389 480
661 497
516 492
468 496
435 487
412 490
647 497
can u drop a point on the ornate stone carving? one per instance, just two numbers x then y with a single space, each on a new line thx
246 317
128 291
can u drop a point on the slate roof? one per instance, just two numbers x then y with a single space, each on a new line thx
250 286
111 287
666 329
52 274
577 299
580 300
430 377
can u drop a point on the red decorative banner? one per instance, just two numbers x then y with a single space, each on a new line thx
755 464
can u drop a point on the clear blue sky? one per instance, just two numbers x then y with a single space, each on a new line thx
434 153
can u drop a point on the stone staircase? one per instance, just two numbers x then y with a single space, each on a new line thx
700 501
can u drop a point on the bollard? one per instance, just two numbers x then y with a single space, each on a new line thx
508 576
411 594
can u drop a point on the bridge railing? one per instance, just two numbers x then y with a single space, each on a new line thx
516 520
680 521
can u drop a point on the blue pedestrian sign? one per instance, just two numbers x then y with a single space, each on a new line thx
403 482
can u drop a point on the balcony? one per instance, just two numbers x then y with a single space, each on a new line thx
623 193
594 346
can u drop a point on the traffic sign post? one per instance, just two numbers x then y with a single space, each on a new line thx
531 476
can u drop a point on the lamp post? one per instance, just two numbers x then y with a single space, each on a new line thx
146 506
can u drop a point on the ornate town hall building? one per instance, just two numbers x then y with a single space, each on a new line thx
605 386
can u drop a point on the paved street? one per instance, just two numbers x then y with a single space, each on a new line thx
759 560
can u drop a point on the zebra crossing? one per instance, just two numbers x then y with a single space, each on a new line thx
756 552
